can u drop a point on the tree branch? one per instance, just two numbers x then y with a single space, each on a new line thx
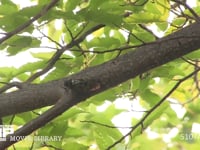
99 78
108 74
63 103
57 55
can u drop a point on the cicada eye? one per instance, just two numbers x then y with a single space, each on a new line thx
75 81
76 84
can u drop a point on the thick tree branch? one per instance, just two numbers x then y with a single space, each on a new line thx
99 78
106 75
67 99
63 103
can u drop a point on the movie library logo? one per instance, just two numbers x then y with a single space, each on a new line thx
5 130
9 129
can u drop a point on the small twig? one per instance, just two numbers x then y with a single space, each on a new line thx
189 8
105 125
70 32
53 48
36 113
81 31
132 46
188 61
7 86
148 30
57 55
32 144
12 119
49 38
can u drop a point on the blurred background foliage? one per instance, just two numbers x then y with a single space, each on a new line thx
103 119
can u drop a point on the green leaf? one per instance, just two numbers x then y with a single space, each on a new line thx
72 112
179 21
43 55
8 2
11 21
30 11
193 55
43 2
168 71
58 128
144 17
150 97
156 113
60 71
102 140
4 9
101 97
145 143
157 11
135 83
20 43
101 16
144 84
27 116
162 25
7 71
71 5
74 144
29 67
74 132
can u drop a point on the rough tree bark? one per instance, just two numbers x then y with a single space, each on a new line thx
104 76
